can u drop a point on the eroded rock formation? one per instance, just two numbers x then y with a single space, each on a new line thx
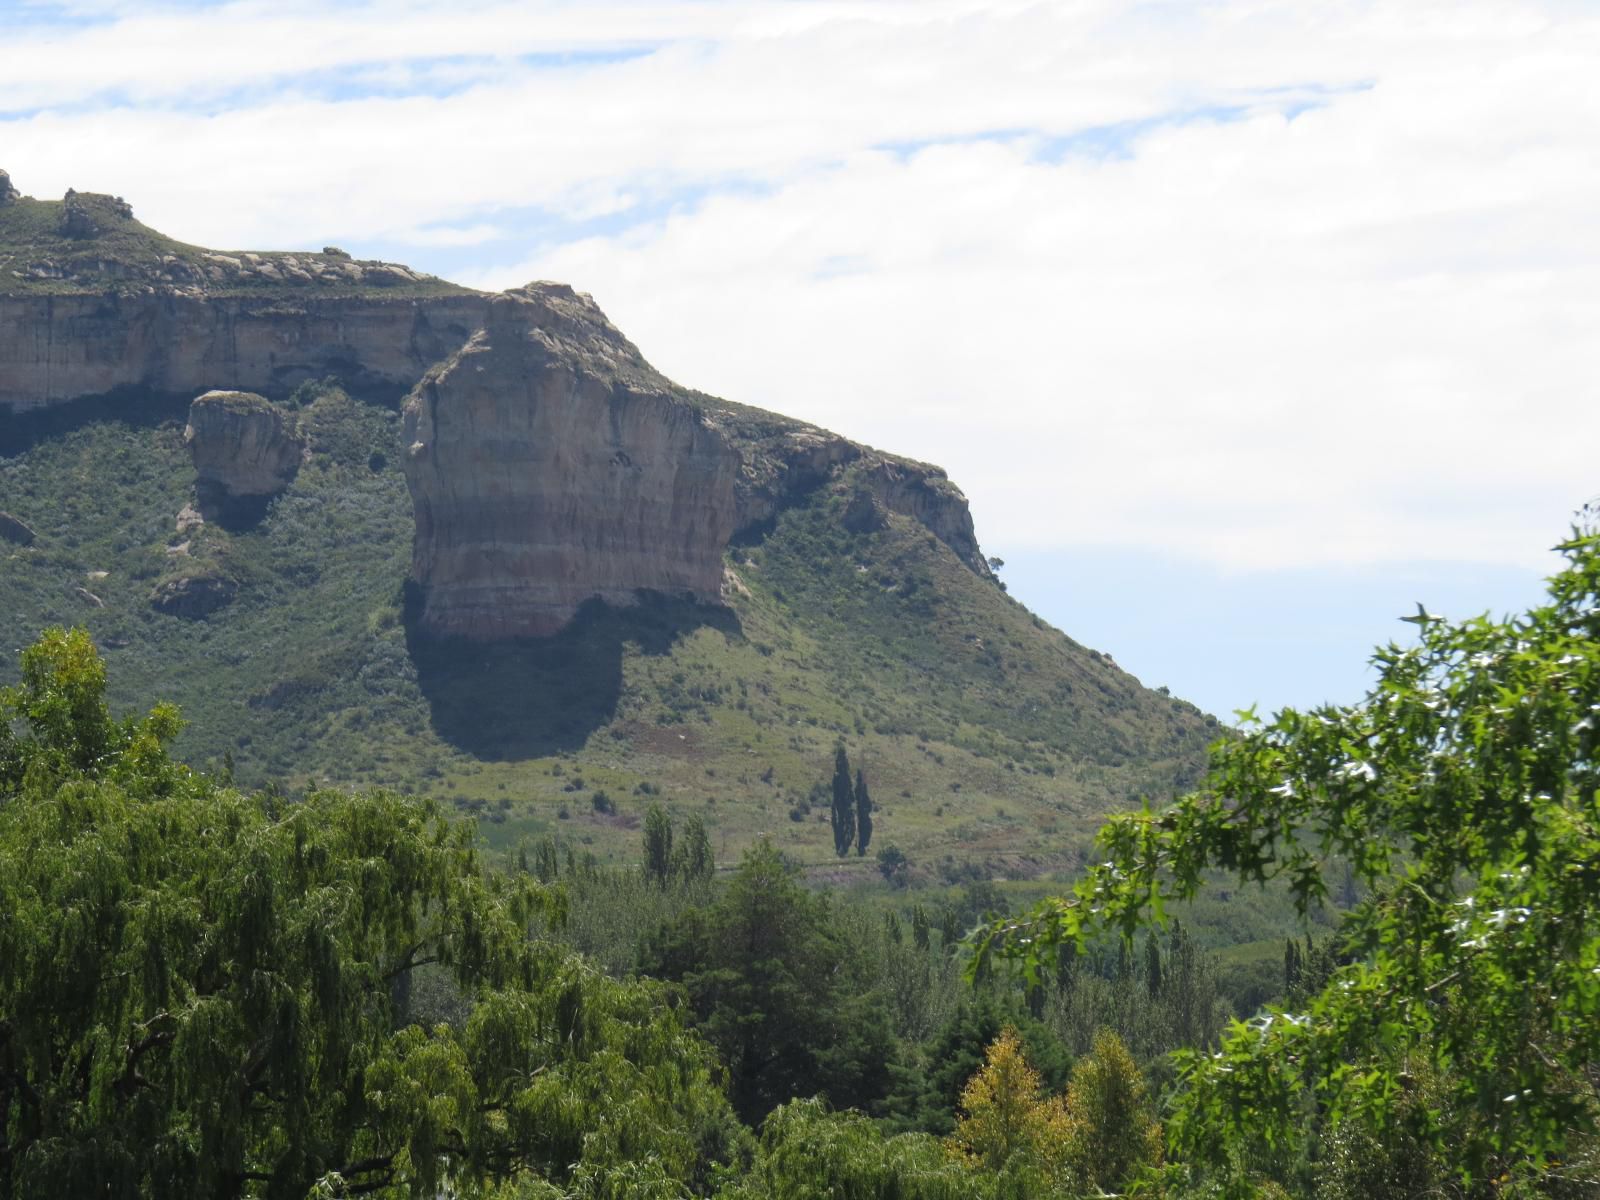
54 349
245 449
549 464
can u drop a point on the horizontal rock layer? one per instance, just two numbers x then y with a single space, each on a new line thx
54 349
549 465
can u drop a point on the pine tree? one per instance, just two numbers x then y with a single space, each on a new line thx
863 815
844 804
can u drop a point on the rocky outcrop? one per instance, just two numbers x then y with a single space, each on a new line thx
193 596
87 215
923 493
245 449
15 529
549 464
55 349
8 193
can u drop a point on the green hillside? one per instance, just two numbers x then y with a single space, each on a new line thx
89 242
987 736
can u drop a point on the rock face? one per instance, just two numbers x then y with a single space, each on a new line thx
54 349
15 529
86 215
549 464
245 448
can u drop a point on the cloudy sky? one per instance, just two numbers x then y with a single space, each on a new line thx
1244 324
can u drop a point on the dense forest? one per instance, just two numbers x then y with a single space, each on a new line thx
213 991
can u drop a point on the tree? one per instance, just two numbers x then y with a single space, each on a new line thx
658 845
1464 792
863 815
1111 1130
204 993
693 861
778 990
893 864
843 816
1006 1112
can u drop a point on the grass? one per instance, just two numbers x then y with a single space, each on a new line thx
994 744
128 256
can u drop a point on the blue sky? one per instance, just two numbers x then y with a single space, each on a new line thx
1244 324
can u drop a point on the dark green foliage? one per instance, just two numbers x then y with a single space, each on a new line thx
843 814
205 993
777 989
863 815
927 1093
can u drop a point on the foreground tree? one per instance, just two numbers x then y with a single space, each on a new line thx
1463 794
205 994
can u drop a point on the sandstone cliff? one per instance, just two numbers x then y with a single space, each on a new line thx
549 464
92 302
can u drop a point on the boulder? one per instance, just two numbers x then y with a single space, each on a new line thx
193 596
245 449
8 194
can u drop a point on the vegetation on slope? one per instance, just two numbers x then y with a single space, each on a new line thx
985 734
88 242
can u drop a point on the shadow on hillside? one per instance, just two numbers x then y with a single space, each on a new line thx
136 407
528 697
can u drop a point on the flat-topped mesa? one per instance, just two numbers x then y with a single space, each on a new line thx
549 464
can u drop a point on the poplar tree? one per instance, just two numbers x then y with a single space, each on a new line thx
657 845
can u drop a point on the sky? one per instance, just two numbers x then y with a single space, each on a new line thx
1244 325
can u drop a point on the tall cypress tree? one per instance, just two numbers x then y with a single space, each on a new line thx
844 804
863 815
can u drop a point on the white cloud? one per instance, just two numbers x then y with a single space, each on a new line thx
1363 334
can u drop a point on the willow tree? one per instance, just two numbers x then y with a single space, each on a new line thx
203 993
1463 793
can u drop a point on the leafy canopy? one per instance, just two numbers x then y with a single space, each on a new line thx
204 993
1462 792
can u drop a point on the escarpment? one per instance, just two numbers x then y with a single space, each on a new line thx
59 348
93 303
548 463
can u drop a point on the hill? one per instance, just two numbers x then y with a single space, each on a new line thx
791 591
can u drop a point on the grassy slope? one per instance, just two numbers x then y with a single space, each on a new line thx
128 253
987 736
